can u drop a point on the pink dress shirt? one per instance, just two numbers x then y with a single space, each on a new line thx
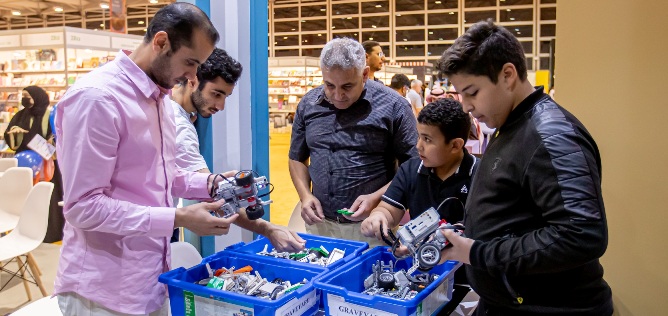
116 149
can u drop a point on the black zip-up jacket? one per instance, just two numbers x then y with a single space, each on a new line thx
536 214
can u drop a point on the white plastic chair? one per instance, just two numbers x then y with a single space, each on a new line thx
46 306
15 185
296 222
27 236
6 163
184 255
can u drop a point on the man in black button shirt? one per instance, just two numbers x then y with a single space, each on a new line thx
439 178
347 138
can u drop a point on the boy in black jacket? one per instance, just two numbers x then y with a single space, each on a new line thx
535 220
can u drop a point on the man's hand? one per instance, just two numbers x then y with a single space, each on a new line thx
197 218
460 250
371 226
363 206
312 210
16 130
284 240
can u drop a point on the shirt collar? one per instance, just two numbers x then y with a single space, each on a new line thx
466 166
524 106
141 80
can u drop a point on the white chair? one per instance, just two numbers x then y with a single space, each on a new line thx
184 255
27 236
296 222
46 306
15 185
6 163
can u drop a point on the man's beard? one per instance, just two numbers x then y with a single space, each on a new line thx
161 73
199 103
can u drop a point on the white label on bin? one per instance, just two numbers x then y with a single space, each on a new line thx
435 299
210 307
296 306
337 305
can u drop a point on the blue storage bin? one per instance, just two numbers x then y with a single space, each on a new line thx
341 288
352 248
186 298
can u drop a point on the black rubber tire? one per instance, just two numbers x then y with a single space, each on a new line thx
386 281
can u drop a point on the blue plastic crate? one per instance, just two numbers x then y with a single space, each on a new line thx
341 288
352 248
188 298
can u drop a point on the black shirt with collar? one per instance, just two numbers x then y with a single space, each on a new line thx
353 151
417 188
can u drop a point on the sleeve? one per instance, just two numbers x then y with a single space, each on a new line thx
568 195
405 132
299 150
188 156
10 139
89 125
398 191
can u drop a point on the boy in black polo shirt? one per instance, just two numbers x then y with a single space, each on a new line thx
443 170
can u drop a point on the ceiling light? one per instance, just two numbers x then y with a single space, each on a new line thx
379 6
349 18
319 34
430 33
16 12
438 2
508 10
440 38
371 38
153 1
452 13
58 9
517 29
373 26
101 24
140 22
333 27
519 32
323 10
285 37
398 14
303 21
405 39
512 19
104 5
292 29
305 41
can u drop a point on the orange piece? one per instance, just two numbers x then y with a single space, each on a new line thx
243 270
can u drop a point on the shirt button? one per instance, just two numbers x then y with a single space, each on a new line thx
331 172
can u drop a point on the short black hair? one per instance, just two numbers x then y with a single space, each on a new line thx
448 115
369 45
219 64
399 81
482 51
179 20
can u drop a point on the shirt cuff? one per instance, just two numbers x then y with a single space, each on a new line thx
198 186
162 221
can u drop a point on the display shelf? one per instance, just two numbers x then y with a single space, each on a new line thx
290 78
54 58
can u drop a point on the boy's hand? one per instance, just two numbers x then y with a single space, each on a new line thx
460 250
16 130
371 226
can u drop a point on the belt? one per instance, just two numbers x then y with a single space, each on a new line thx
339 219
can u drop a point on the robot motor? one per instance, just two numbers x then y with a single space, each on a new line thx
242 192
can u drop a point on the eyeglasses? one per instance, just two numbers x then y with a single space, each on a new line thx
381 54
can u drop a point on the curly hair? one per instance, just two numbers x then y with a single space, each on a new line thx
219 64
448 115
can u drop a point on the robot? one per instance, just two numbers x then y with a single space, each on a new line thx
242 192
424 240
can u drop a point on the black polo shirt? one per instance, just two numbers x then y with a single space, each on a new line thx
417 188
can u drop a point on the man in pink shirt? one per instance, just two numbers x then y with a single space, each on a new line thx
116 147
